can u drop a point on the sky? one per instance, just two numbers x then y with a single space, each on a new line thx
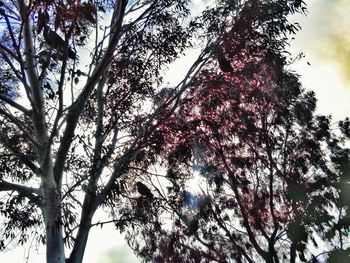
325 41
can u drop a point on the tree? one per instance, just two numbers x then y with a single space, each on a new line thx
271 172
273 175
75 91
81 115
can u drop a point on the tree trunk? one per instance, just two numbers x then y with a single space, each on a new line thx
293 252
88 211
78 251
53 222
50 190
272 255
54 246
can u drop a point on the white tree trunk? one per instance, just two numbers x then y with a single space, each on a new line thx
53 220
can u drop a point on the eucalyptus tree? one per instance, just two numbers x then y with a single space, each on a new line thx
250 172
77 78
86 120
272 176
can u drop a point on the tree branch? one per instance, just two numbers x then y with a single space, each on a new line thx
18 123
15 105
12 66
29 53
30 192
78 106
8 51
22 157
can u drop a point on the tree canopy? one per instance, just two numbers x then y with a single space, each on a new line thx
86 119
270 173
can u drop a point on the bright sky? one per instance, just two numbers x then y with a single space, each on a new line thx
325 40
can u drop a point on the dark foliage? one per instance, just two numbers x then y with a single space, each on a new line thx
252 174
270 173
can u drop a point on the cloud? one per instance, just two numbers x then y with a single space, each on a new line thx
326 30
337 46
325 40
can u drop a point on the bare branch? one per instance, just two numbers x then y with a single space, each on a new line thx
15 105
30 65
30 192
8 51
